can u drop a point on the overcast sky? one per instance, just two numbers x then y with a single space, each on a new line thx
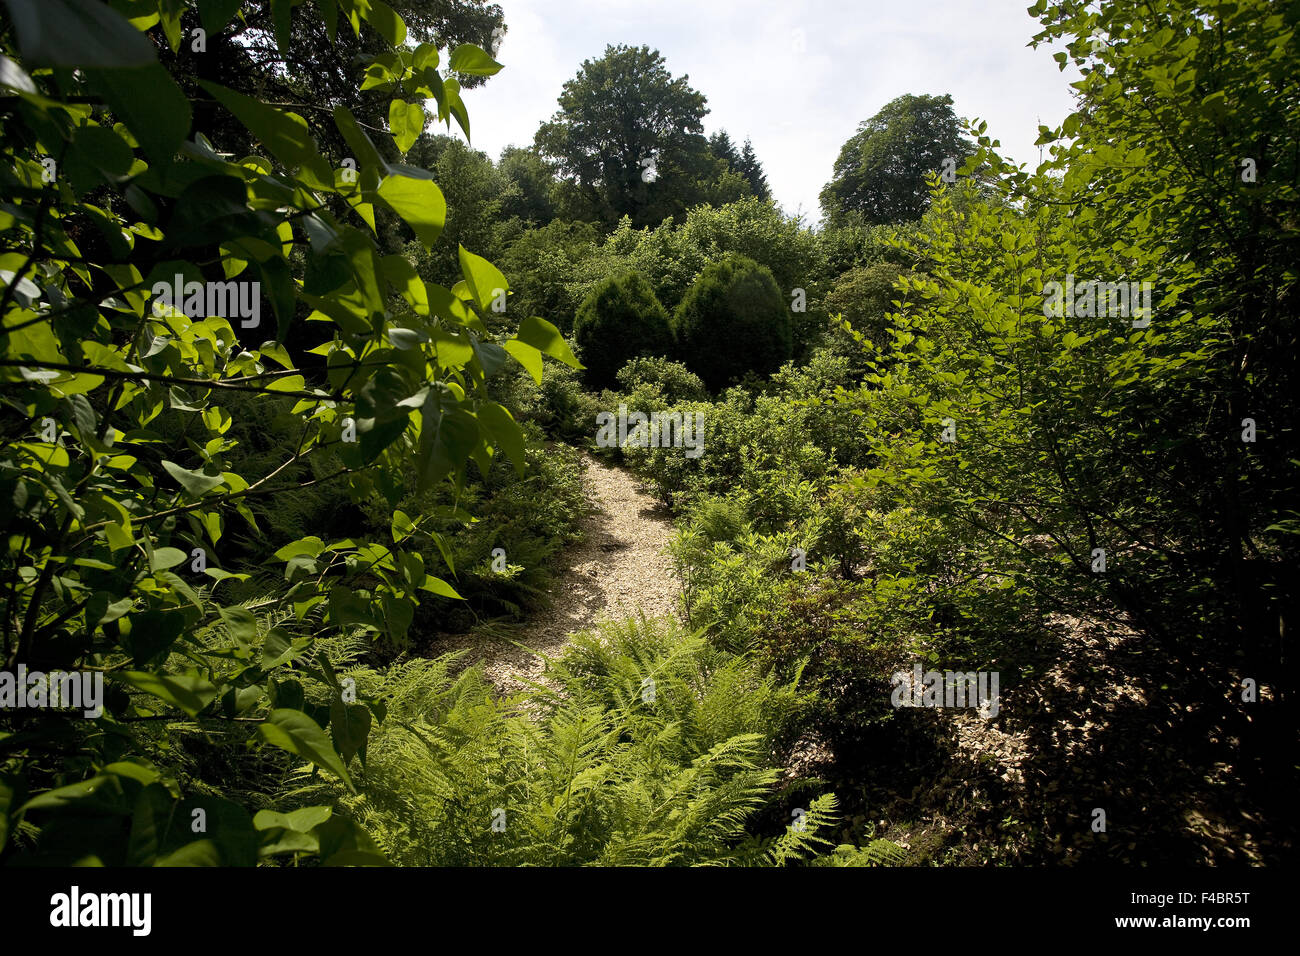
795 77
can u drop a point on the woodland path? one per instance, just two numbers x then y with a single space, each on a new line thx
617 569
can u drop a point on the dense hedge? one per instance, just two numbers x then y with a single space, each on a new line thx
620 320
733 320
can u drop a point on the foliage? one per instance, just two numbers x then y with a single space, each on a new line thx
650 750
116 450
529 196
1087 431
546 266
476 193
246 47
672 380
862 296
743 161
733 320
880 175
629 140
620 320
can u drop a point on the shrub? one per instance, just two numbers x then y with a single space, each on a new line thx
559 405
621 319
733 320
863 296
719 519
674 380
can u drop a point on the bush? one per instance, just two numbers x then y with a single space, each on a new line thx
559 405
621 319
863 296
733 320
719 519
673 380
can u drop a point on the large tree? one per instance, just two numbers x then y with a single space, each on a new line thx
628 139
724 148
531 185
880 173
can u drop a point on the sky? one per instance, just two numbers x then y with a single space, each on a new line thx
794 77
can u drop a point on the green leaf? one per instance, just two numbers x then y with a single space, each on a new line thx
149 103
455 106
71 793
344 843
447 438
311 545
401 274
299 821
294 731
468 58
147 635
419 202
349 728
505 431
545 337
215 14
527 356
406 123
195 483
74 33
281 15
189 692
285 135
363 150
485 281
440 587
164 558
241 624
277 648
389 25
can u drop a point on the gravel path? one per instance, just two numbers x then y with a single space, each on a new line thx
619 568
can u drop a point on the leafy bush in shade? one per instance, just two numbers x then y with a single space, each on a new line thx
620 320
733 320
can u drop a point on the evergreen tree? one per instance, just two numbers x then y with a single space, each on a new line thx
749 166
723 148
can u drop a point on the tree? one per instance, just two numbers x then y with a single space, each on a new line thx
733 320
620 320
475 191
749 166
722 147
532 198
628 138
880 175
306 63
543 264
1093 378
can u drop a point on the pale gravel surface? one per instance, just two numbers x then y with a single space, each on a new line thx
620 568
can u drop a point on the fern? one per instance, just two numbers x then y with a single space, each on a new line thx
588 769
